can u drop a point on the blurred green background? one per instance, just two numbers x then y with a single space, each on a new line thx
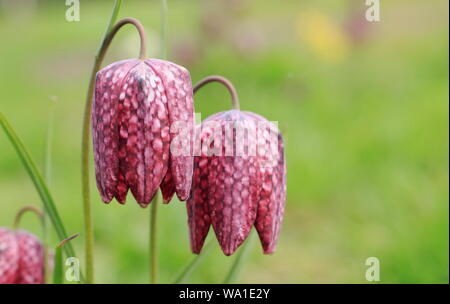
363 107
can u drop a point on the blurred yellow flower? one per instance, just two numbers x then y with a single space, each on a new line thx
325 38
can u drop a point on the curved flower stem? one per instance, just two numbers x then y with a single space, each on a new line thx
238 262
112 21
88 222
206 250
225 82
108 38
41 215
38 212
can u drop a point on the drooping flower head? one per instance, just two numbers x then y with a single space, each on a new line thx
8 256
136 106
21 258
239 181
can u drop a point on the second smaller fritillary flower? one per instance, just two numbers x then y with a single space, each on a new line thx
21 258
9 256
239 181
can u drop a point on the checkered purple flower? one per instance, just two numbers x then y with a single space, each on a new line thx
136 104
21 258
239 181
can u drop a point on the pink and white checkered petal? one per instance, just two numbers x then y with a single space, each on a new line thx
272 200
180 104
199 219
9 256
105 125
167 187
233 196
31 259
122 186
143 150
234 190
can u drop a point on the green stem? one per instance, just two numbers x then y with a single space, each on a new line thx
48 178
238 262
184 276
39 184
87 212
153 234
228 84
112 21
58 276
38 212
196 261
154 240
49 143
41 215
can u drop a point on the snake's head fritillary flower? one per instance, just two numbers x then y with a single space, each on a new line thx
239 181
31 259
8 256
139 109
21 258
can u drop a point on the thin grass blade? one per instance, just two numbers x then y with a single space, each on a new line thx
39 184
193 265
58 276
239 261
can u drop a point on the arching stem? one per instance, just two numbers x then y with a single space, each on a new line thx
41 215
225 82
38 212
107 41
88 221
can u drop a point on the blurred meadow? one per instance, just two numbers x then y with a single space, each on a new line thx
363 108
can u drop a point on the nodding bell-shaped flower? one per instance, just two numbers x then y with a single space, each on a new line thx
139 109
239 180
21 258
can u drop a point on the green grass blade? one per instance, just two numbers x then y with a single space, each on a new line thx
38 182
58 270
184 276
239 261
47 177
112 21
49 142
